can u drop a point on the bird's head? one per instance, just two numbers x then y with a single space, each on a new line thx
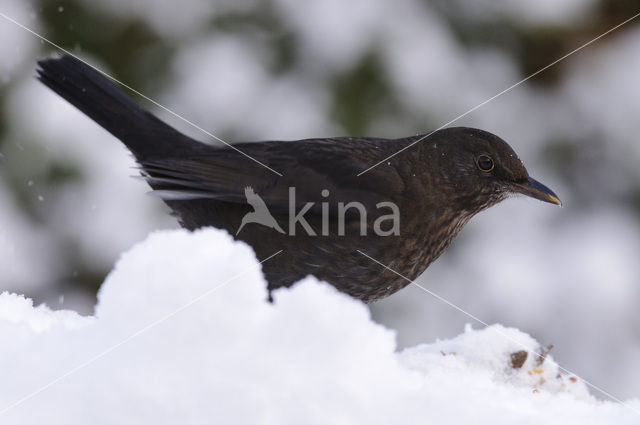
480 169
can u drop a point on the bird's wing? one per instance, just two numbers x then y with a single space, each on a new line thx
309 167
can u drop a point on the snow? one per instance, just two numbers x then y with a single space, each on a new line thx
83 212
556 280
19 243
188 17
596 90
16 45
546 12
182 333
334 41
235 68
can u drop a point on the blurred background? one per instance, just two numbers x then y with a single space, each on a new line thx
284 69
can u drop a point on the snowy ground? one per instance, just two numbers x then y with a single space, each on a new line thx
182 334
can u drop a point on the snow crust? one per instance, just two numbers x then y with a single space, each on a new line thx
182 333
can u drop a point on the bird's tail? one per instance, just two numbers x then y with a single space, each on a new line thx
93 94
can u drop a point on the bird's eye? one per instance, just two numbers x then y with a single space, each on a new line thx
485 163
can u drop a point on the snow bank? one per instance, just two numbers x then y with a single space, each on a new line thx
182 334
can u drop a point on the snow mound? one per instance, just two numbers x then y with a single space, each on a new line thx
183 333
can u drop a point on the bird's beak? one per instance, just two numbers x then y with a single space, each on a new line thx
537 190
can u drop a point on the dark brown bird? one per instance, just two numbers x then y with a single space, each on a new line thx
310 202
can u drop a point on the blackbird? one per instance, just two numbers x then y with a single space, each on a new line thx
310 198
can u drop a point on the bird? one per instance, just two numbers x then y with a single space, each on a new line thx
260 213
367 215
